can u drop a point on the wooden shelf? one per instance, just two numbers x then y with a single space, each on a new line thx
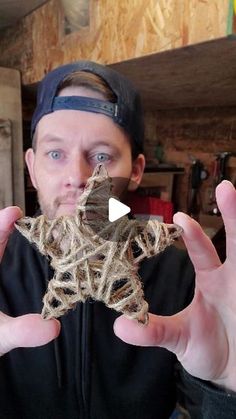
161 180
199 75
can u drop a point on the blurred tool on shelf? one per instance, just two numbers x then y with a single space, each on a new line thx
197 174
219 174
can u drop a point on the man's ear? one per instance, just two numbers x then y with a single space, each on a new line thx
29 159
138 166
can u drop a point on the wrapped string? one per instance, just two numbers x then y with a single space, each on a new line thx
93 257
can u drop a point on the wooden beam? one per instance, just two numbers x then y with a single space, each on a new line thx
10 108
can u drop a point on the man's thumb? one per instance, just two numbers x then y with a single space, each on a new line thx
29 330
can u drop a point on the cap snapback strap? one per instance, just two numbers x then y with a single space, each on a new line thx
87 104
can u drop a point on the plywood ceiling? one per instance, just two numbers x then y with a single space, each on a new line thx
13 10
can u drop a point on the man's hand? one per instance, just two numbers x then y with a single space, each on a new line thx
203 336
24 331
7 218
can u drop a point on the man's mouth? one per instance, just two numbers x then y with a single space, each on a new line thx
69 199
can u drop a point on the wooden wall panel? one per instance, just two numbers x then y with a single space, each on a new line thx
10 108
6 192
117 31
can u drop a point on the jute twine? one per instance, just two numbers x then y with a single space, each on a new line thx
102 265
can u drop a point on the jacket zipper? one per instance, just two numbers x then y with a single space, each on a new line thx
85 357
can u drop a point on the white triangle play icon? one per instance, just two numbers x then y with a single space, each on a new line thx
116 209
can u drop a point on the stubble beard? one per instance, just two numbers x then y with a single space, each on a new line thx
50 209
47 209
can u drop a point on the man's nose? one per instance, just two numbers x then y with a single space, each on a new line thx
78 172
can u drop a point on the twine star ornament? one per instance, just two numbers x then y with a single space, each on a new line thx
93 257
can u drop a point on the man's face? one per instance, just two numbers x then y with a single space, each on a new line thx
70 143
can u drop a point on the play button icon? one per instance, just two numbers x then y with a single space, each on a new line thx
116 209
105 213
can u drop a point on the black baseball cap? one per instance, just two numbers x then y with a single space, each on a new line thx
126 111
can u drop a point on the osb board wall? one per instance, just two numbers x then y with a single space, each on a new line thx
10 108
193 133
117 31
6 193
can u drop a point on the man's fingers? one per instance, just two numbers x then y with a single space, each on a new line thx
199 246
29 330
24 331
226 200
7 218
161 331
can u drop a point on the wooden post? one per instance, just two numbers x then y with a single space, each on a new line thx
10 108
6 193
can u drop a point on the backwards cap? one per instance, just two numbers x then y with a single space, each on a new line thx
126 111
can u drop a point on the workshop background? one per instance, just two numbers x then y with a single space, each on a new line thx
181 55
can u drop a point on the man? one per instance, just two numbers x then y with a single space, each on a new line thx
86 114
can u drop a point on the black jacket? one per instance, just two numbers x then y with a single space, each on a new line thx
87 372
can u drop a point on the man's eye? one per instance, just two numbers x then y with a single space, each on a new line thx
55 155
102 157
